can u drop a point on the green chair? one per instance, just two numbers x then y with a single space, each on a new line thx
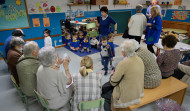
42 101
22 95
84 105
3 57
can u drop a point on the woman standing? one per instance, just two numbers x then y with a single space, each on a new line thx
154 28
104 22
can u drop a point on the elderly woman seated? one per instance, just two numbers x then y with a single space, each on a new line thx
152 74
169 59
51 81
128 78
87 84
14 54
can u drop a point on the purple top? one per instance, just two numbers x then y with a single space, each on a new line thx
168 61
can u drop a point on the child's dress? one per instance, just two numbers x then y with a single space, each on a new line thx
47 41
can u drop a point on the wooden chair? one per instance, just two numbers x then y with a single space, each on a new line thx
84 105
43 101
22 95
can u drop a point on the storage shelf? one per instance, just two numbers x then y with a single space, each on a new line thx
160 4
77 4
121 4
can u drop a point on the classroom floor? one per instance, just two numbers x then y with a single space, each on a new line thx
10 100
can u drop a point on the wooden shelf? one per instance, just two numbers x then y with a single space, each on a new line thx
121 4
160 4
77 4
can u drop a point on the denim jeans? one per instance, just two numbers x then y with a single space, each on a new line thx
105 61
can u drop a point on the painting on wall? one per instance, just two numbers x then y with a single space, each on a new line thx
13 15
177 2
180 15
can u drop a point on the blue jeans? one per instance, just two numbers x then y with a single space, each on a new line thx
105 61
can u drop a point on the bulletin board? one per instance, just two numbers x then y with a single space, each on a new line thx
13 15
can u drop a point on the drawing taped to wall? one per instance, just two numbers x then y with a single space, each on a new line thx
180 15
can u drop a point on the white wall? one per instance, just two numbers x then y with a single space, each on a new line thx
64 7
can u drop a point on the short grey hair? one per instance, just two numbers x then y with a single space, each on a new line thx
139 8
16 41
129 46
47 56
29 47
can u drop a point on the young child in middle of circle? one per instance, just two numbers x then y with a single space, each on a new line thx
94 43
110 42
85 45
47 39
75 44
105 53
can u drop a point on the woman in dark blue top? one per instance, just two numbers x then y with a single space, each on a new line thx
104 22
154 28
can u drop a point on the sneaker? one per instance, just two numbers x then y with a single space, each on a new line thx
105 73
82 50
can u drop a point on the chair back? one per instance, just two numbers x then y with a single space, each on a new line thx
16 86
84 105
3 57
41 100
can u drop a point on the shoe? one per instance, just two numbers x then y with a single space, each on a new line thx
82 50
102 68
105 73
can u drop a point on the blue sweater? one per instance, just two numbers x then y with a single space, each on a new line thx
85 44
112 48
105 25
75 43
81 38
67 41
153 32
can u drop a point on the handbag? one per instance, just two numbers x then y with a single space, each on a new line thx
107 86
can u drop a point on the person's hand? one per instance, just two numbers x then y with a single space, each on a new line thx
59 60
112 72
66 62
115 32
148 24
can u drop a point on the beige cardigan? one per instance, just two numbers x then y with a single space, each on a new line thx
131 88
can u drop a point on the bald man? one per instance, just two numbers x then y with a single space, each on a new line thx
148 12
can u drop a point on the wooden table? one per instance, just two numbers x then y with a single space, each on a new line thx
170 88
180 31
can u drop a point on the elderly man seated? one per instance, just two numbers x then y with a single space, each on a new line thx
14 54
27 67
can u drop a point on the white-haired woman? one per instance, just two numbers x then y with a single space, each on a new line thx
14 54
128 78
51 81
87 84
137 24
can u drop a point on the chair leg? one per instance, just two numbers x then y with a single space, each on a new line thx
26 103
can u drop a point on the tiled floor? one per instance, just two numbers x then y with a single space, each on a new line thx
10 100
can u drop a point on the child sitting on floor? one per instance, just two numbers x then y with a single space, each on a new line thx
110 42
105 53
85 45
67 39
94 43
75 43
80 36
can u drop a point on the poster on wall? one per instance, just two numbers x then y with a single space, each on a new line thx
46 22
36 22
181 7
180 15
177 2
13 14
